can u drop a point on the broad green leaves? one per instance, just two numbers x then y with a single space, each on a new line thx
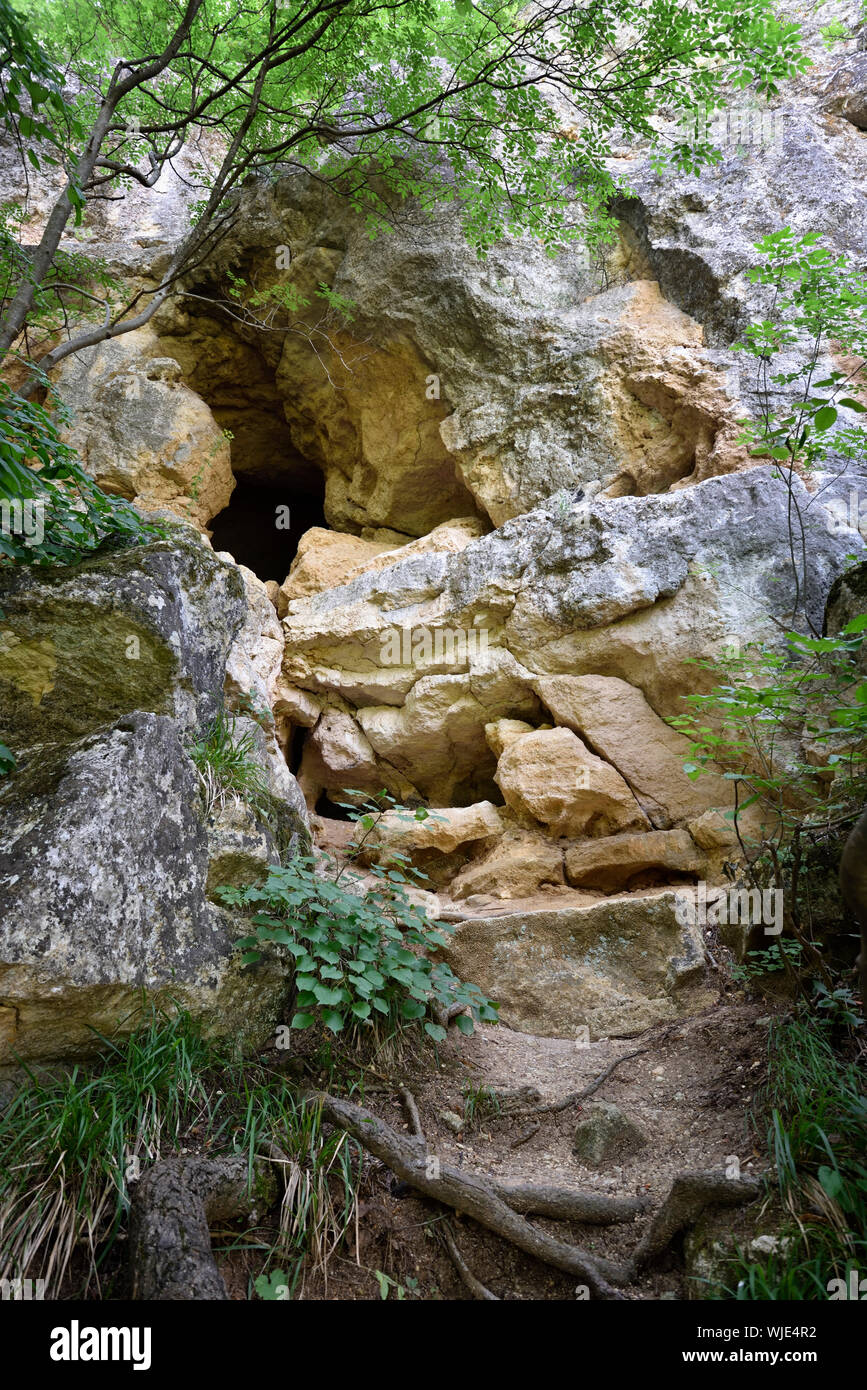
356 955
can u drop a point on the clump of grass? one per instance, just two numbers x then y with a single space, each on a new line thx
69 1142
72 1145
816 1115
480 1103
228 767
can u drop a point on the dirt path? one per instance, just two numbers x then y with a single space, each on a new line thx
690 1094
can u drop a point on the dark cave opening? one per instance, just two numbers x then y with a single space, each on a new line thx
263 523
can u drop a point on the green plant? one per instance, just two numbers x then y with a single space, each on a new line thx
817 310
73 1144
767 962
359 954
789 730
833 32
815 1111
480 1102
228 766
839 1005
38 469
386 1284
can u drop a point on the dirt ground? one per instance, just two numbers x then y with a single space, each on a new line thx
690 1093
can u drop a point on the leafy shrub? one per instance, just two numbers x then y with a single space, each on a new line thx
815 1112
37 467
358 954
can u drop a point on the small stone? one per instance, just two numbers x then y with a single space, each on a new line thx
452 1119
605 1133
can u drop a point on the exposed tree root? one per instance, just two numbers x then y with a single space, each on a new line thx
173 1204
491 1203
689 1195
468 1279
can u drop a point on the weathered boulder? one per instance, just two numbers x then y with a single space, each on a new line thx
520 864
605 1134
108 861
619 861
147 628
615 967
552 777
444 830
103 872
618 724
140 432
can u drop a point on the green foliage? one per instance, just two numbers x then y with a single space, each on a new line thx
70 1143
432 95
817 308
480 1103
37 468
359 956
272 1287
31 79
228 766
7 761
762 709
73 1144
386 1284
814 1106
768 962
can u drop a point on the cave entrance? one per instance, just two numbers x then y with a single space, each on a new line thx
264 521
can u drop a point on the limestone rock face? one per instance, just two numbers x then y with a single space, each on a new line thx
141 433
520 864
619 724
326 559
108 868
552 777
615 967
618 861
845 92
434 649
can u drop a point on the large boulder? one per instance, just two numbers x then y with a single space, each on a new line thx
551 777
618 724
109 861
614 967
140 432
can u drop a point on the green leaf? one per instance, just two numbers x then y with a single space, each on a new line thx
333 1020
301 1020
464 1023
824 418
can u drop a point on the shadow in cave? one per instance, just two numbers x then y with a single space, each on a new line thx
253 527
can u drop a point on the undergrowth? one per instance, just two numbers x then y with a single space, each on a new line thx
814 1113
74 1144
